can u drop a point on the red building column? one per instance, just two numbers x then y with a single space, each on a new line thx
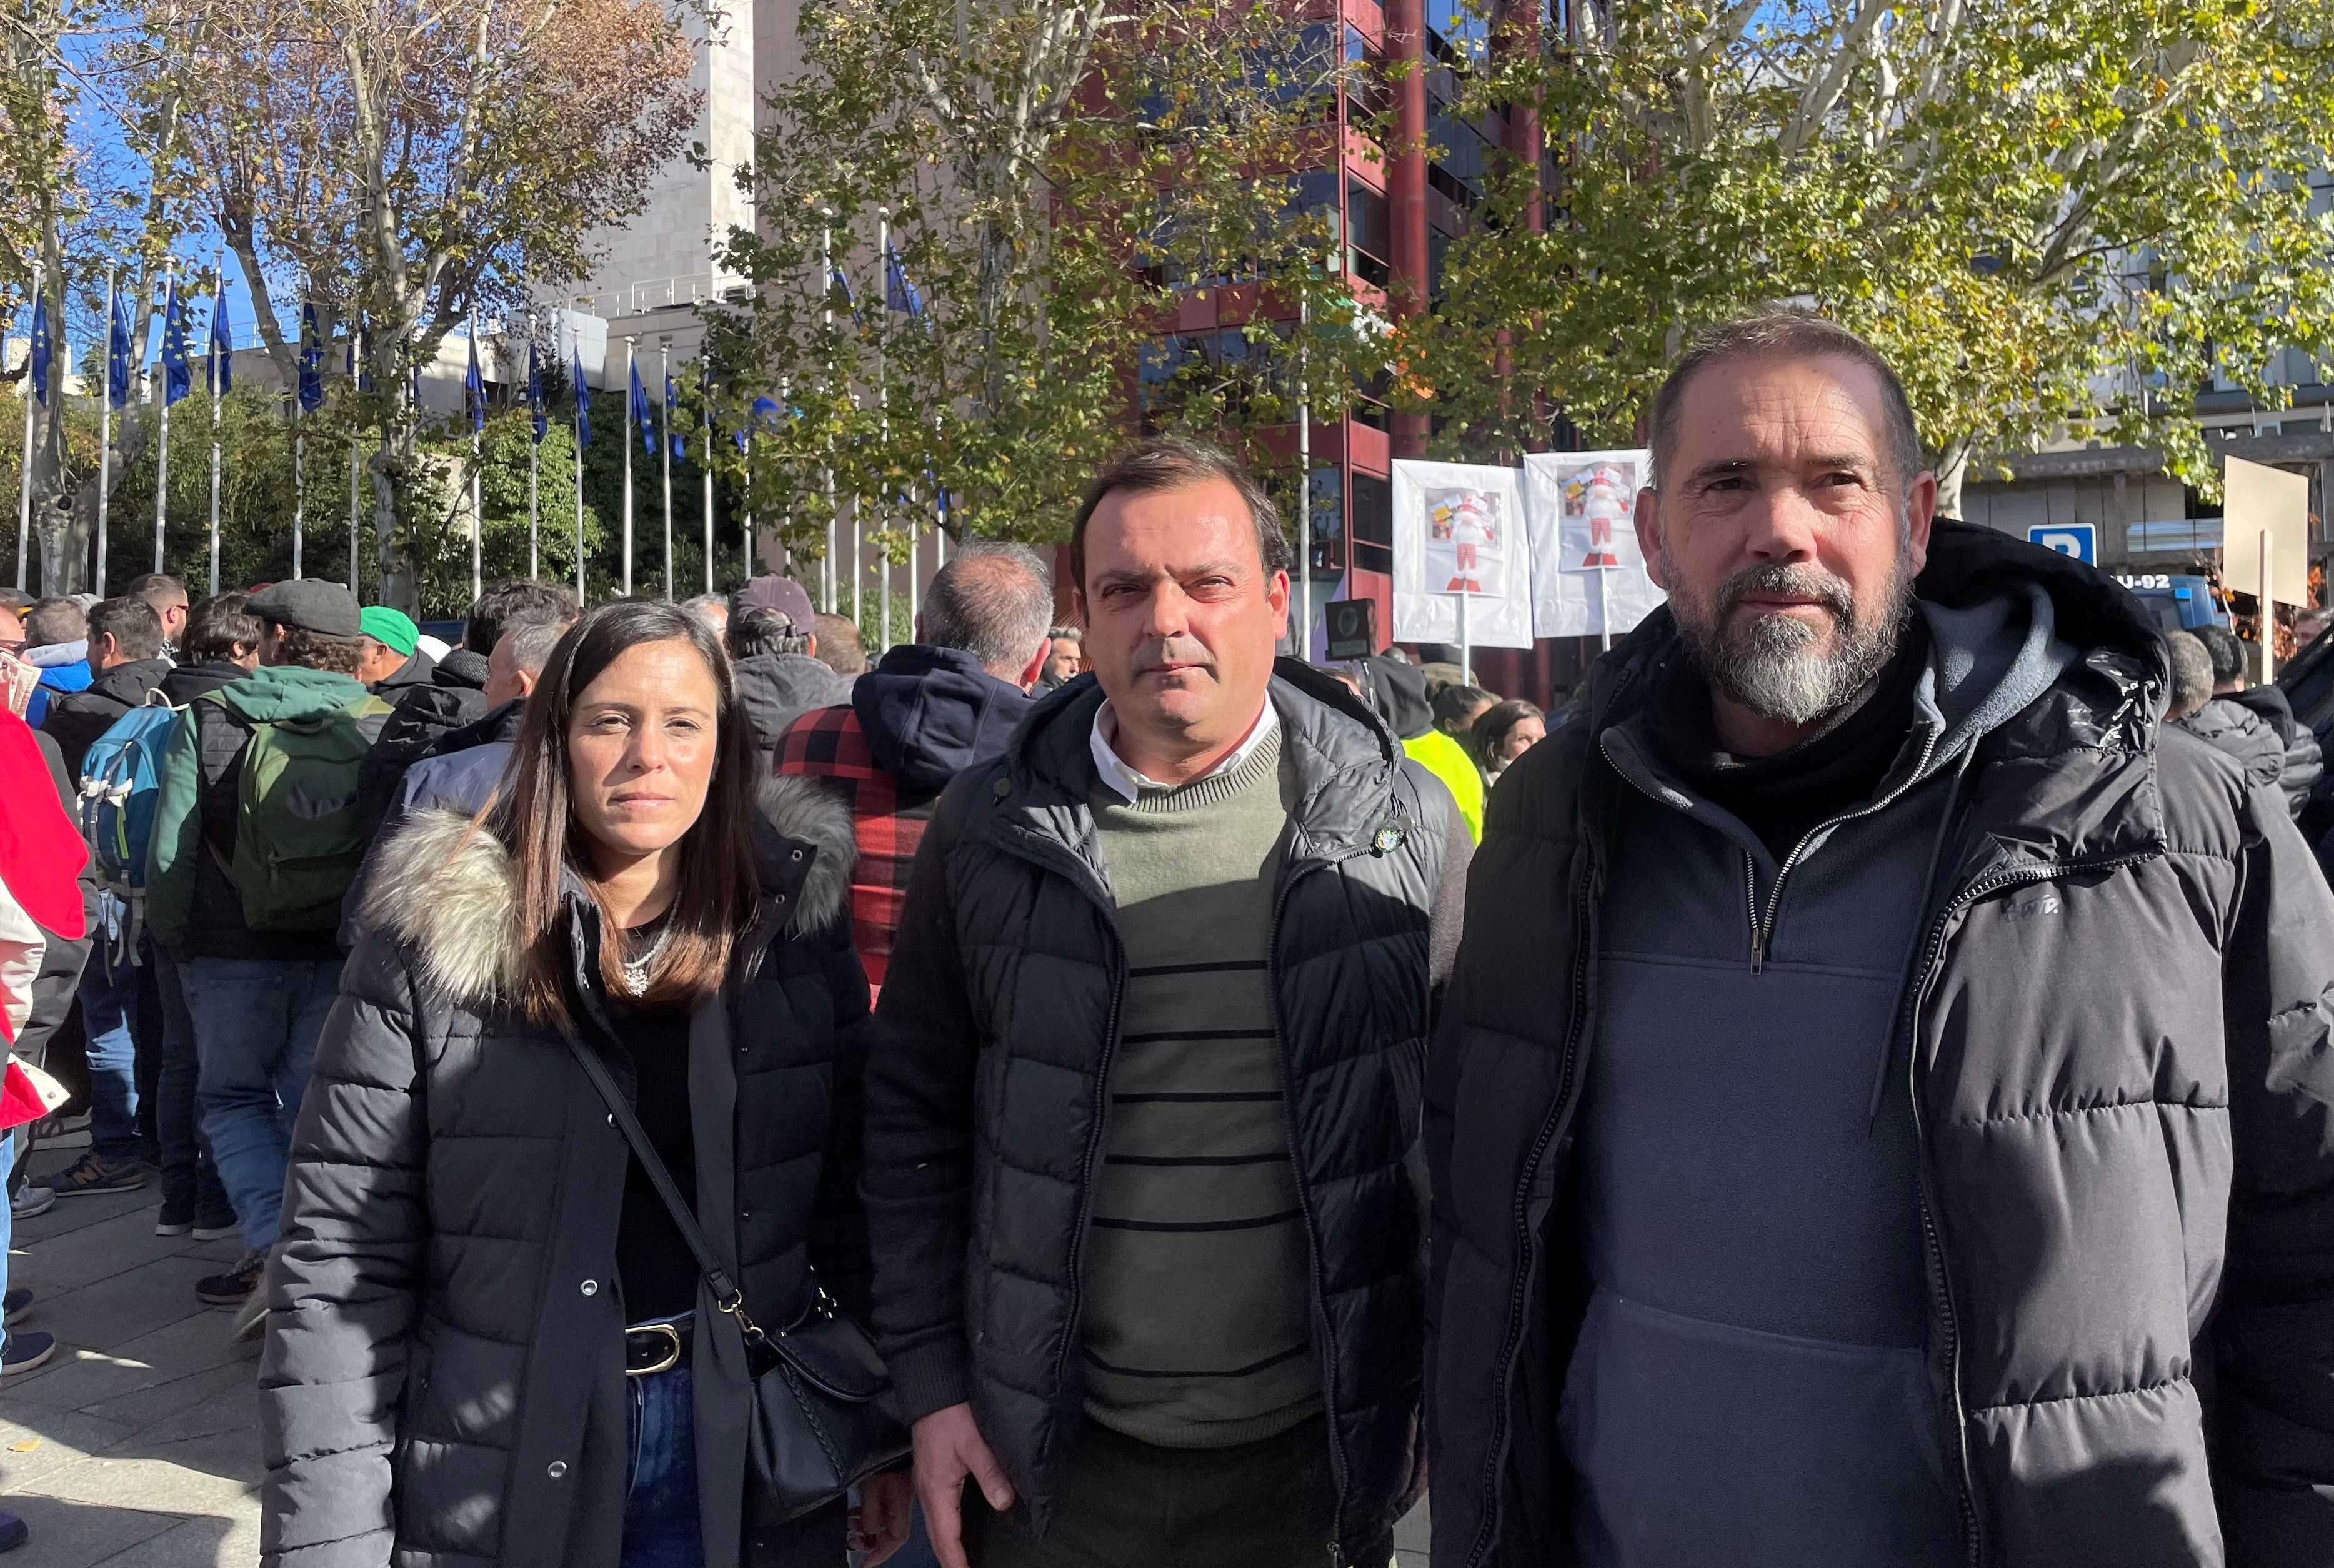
1405 45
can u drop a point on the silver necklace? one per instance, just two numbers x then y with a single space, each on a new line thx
636 970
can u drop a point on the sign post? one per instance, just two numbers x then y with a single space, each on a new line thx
2265 543
2079 539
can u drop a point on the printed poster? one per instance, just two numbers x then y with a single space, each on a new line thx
1581 510
1459 530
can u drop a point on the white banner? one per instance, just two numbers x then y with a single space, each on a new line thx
1459 528
1581 507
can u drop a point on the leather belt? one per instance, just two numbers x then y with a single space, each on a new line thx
656 1347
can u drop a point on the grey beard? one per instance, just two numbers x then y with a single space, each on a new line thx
1773 666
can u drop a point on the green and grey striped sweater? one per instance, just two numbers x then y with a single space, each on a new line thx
1197 1322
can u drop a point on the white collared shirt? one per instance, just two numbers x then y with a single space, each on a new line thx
1125 782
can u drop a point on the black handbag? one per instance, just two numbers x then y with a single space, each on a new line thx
820 1424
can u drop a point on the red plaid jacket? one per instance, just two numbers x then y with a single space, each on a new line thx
825 743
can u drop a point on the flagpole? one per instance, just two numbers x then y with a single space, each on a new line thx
356 384
218 304
534 465
826 318
105 431
1304 649
630 372
308 347
162 447
24 473
477 498
664 451
705 468
581 393
746 453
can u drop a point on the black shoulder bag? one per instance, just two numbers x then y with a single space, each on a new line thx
818 1425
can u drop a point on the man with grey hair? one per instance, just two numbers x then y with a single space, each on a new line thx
1887 1067
1066 657
928 711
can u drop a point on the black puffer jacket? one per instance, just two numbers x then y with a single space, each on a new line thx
2248 739
993 1048
454 695
774 689
442 1385
2304 764
2126 1116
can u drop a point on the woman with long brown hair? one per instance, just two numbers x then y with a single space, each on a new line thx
489 1339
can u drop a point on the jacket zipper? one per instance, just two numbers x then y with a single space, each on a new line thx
1965 1495
1305 1207
1762 931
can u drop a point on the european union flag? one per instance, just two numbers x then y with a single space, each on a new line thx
311 361
899 293
44 351
117 352
222 366
582 403
672 402
535 394
638 397
475 386
177 381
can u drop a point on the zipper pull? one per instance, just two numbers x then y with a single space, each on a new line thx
1757 951
1336 1555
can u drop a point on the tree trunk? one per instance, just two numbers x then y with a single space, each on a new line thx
1951 469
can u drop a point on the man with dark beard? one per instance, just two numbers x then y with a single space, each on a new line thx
1888 1070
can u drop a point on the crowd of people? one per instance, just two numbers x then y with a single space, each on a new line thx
1856 1086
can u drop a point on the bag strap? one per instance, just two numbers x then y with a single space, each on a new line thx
726 1296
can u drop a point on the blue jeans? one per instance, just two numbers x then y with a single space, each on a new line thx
109 1002
190 1177
256 1021
661 1519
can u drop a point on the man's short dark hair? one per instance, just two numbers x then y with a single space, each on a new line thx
1787 332
840 647
53 621
1177 463
157 588
752 630
135 628
314 650
992 600
2228 653
507 604
218 626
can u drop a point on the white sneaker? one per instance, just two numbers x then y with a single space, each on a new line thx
31 1200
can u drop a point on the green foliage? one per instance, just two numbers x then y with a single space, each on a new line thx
1059 221
2056 216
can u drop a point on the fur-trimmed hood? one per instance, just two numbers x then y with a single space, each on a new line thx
447 890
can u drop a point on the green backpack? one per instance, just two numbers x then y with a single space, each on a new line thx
299 835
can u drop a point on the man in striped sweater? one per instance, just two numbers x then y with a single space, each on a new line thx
1141 1139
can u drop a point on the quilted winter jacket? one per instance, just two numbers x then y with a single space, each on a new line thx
992 1049
442 1385
2123 1082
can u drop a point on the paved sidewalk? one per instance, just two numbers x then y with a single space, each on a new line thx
138 1445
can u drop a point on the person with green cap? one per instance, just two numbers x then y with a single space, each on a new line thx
393 660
